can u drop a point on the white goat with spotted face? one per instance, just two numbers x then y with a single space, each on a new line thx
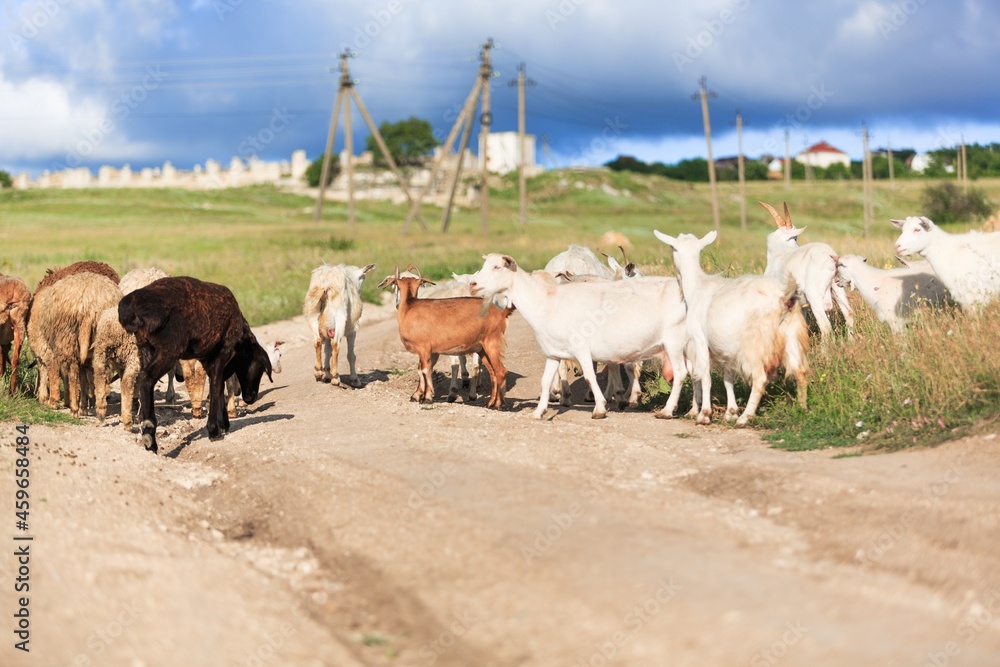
620 321
968 264
813 266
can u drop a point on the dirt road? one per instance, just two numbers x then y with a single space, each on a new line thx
352 527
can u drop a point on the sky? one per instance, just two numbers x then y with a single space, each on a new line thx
91 82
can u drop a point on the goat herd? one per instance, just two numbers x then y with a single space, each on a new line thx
86 326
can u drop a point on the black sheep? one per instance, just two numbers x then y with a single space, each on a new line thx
186 318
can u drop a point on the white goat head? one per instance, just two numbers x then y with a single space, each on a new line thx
786 235
274 354
846 268
916 235
495 276
685 246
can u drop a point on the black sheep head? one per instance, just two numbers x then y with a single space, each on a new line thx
251 363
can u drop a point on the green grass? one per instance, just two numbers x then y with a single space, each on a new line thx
263 243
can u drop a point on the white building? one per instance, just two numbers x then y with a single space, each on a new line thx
919 162
504 150
823 155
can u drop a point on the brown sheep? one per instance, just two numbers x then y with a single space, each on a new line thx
15 300
115 351
62 328
38 345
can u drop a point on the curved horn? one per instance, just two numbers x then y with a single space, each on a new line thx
629 264
788 216
397 272
774 214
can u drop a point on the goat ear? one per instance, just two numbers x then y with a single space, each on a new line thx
926 223
368 267
897 223
900 260
708 238
509 263
389 280
666 238
424 281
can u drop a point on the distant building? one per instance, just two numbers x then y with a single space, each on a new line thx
504 153
919 162
823 155
776 168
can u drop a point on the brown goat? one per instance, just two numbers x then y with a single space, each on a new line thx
15 299
429 327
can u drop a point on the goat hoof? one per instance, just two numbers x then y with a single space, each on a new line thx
452 398
149 443
663 415
599 415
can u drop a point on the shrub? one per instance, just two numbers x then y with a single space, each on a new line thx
946 203
315 170
5 180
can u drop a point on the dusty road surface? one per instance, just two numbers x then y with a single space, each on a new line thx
353 527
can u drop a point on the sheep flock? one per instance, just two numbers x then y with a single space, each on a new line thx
86 327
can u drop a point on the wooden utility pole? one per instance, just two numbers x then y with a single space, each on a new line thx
866 181
463 146
481 89
485 120
965 167
892 172
338 100
704 94
521 82
788 163
741 171
345 93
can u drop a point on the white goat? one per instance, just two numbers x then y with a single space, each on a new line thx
333 310
583 322
894 294
578 261
578 264
968 264
813 266
748 325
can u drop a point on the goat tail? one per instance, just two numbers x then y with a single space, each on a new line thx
795 333
316 299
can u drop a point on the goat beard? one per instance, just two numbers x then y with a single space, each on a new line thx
487 301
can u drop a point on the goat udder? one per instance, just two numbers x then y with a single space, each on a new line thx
331 333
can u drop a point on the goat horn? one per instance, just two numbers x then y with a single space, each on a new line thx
623 254
788 216
397 272
774 214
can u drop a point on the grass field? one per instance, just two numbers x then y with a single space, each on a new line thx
263 243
